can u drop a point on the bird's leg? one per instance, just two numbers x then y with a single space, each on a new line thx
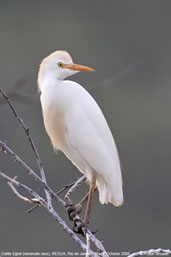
76 209
89 203
79 206
85 221
81 203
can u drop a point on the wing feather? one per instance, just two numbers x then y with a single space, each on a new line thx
90 139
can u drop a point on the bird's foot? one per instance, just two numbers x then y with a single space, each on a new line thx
80 226
73 210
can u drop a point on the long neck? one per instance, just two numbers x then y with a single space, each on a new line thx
56 94
48 88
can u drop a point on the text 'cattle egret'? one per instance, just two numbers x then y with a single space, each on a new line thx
77 127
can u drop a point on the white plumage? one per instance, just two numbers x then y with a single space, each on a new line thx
77 127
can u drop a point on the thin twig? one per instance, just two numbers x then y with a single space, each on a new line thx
65 187
11 185
151 252
20 196
26 130
33 208
29 190
75 186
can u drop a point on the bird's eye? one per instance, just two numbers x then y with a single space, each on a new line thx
60 64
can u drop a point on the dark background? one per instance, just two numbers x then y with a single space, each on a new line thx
130 38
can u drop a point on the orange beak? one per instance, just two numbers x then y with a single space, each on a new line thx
77 67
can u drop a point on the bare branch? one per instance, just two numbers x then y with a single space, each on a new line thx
98 244
29 190
151 252
25 199
26 129
33 208
88 245
75 186
65 187
17 159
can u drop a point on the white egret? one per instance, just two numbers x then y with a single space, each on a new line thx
77 127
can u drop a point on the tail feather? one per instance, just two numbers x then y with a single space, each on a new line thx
110 192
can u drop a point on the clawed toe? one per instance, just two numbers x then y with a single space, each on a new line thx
94 232
73 210
80 228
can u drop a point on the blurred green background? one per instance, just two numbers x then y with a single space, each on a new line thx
108 36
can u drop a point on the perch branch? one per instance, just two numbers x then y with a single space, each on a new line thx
88 245
98 244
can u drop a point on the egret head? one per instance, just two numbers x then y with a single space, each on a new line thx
59 64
